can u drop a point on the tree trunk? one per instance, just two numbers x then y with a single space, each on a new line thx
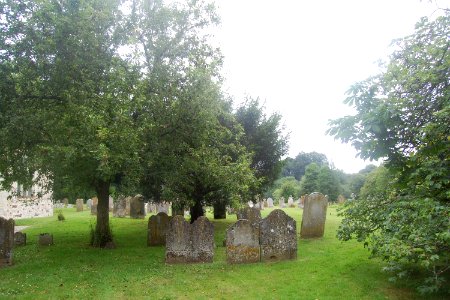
102 235
196 211
220 210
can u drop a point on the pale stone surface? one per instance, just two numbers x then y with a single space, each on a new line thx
270 202
111 204
282 203
163 207
278 237
189 243
250 204
242 243
65 202
290 202
89 203
94 206
120 207
157 229
137 207
6 241
250 213
314 216
127 205
79 204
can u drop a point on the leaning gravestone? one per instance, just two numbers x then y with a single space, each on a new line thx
94 206
270 202
137 207
80 204
250 213
278 237
20 239
242 242
157 229
120 207
6 241
189 243
314 215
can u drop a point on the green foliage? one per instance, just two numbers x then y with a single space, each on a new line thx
297 167
61 216
286 187
264 139
309 182
327 183
403 210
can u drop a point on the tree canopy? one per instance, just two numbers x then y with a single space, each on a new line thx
403 116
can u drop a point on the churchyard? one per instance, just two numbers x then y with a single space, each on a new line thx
325 268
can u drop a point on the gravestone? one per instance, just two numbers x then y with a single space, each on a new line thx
157 229
242 243
282 203
278 237
6 241
151 208
94 206
265 203
137 207
250 213
20 239
111 204
250 203
65 202
162 207
314 216
290 202
189 243
120 207
80 204
45 239
341 199
127 205
89 203
270 203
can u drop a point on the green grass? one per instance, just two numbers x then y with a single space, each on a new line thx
325 269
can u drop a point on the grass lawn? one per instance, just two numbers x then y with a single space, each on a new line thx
325 269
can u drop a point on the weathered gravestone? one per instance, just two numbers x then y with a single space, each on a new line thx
242 242
250 203
270 202
94 206
157 229
282 203
6 241
45 239
151 207
189 243
314 215
278 237
162 207
250 213
111 204
89 203
137 207
20 239
80 203
120 207
65 202
290 202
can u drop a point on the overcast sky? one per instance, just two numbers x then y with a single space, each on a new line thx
300 57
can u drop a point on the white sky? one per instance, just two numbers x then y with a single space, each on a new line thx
300 57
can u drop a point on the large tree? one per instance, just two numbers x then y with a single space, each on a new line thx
297 166
265 139
403 117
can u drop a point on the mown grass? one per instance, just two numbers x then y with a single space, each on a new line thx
325 269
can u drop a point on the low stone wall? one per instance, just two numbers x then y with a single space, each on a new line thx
20 208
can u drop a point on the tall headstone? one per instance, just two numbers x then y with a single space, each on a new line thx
189 243
120 207
137 207
111 204
94 206
314 216
157 229
89 203
6 241
242 243
290 202
80 204
282 203
278 237
250 213
270 203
